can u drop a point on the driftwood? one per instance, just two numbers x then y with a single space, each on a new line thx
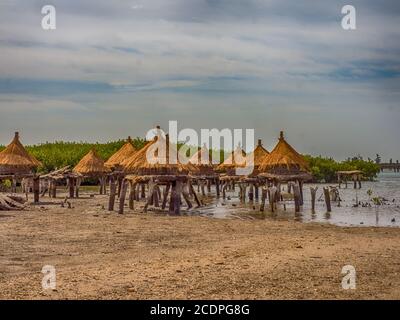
11 202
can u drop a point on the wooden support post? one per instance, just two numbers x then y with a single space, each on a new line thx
36 189
113 190
185 193
313 197
177 199
71 187
196 198
165 197
251 192
156 193
122 197
263 197
131 194
119 185
208 185
54 190
202 183
256 191
272 196
143 191
327 200
77 185
172 198
301 193
217 186
297 196
359 182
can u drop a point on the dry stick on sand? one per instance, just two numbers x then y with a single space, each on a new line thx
11 202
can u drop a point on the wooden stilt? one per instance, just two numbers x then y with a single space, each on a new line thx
131 195
251 192
196 198
327 200
313 197
122 197
263 197
36 189
113 189
297 197
217 186
71 187
165 197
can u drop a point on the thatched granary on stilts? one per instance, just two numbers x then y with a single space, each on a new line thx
156 165
116 163
285 164
249 179
91 166
205 170
16 163
124 153
15 160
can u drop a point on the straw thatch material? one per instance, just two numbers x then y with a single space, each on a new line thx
14 159
202 160
91 165
284 159
140 164
125 152
258 156
237 159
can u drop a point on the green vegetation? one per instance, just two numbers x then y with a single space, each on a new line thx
324 169
58 154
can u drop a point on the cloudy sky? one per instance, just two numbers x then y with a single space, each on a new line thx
117 68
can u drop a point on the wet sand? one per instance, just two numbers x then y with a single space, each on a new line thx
102 255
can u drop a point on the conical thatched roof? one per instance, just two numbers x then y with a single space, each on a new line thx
203 161
91 165
237 159
257 156
125 152
284 159
14 159
147 161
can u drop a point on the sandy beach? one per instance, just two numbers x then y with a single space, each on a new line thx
102 255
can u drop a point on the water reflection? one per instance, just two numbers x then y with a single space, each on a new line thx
354 208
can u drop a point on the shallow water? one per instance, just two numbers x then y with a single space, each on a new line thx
387 186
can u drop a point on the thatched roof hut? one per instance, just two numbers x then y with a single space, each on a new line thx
125 152
148 160
91 165
257 156
237 159
284 160
14 159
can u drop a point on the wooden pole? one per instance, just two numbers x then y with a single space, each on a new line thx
71 187
113 189
313 197
263 197
36 189
122 197
165 197
251 192
194 194
327 200
217 186
177 200
131 195
296 193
